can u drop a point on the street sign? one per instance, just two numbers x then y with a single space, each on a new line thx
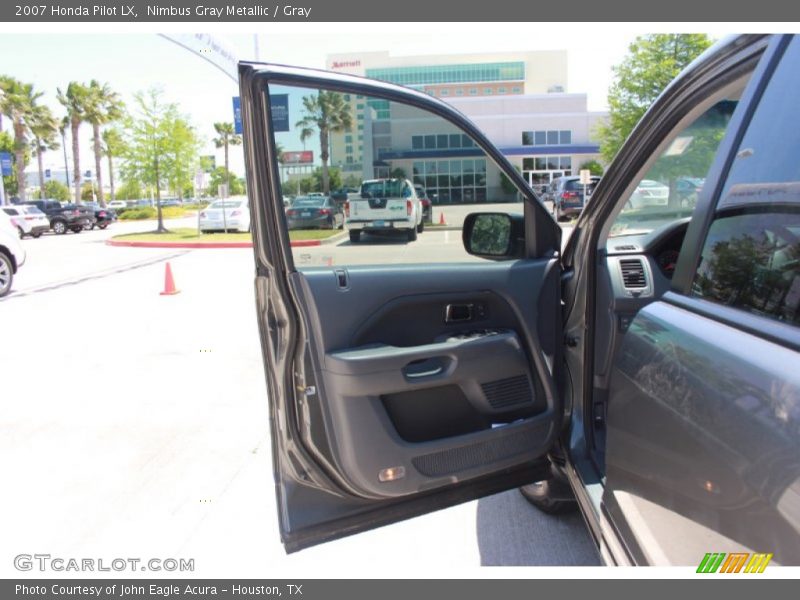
6 163
298 157
47 173
279 110
586 176
279 104
237 114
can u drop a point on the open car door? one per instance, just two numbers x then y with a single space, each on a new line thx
405 374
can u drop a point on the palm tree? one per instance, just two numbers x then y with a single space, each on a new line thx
62 131
44 129
325 113
75 100
18 102
103 106
227 137
113 145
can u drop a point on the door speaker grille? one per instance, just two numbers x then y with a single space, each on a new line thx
508 392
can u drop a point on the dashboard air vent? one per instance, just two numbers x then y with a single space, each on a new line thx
633 273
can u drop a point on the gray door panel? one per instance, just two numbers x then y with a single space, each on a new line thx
703 449
406 391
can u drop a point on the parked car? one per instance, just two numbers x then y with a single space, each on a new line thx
63 217
567 195
28 220
648 194
103 216
386 205
688 189
117 204
646 373
12 254
231 214
427 205
314 212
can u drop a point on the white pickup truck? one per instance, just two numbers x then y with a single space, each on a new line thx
384 205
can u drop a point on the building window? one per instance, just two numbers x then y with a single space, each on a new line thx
430 142
516 90
455 140
501 90
444 93
552 138
539 138
564 137
565 163
488 91
473 91
348 139
459 92
527 138
417 142
452 181
441 141
348 149
360 106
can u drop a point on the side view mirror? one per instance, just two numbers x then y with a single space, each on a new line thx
496 236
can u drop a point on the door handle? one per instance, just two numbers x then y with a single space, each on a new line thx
419 374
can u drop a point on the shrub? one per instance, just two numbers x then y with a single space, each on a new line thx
136 214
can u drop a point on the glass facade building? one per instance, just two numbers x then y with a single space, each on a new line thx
443 74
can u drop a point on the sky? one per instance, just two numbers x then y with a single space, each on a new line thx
130 59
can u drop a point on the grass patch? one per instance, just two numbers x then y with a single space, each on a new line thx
190 235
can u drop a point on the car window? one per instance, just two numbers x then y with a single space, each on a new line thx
310 202
10 211
398 154
659 198
751 256
226 204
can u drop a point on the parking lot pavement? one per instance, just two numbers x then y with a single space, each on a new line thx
145 433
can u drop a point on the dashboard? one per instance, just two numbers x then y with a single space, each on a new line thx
639 269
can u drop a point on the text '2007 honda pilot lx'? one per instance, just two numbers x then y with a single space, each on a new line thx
648 370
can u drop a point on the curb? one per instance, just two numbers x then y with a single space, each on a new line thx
216 245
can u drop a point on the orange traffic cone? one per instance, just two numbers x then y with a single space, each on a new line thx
441 218
169 283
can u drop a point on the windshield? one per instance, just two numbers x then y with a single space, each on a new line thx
385 188
33 210
669 190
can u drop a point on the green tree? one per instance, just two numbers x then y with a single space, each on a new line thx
130 189
181 158
113 145
595 168
44 130
652 63
87 191
324 113
18 101
56 190
103 105
147 155
75 99
220 176
227 138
